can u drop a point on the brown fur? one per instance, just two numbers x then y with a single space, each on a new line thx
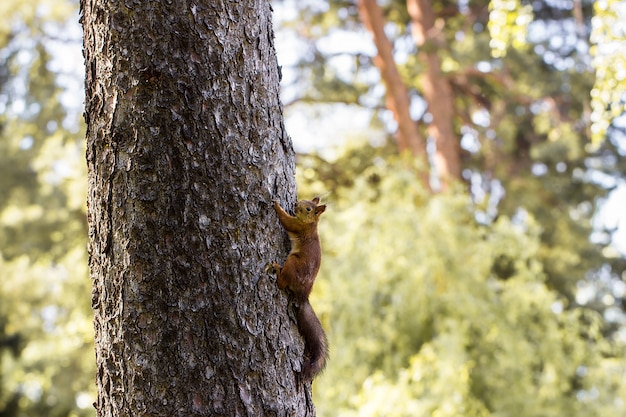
298 275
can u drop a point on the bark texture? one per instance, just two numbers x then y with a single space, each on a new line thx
186 149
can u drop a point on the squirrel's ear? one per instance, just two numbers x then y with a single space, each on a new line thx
316 200
320 209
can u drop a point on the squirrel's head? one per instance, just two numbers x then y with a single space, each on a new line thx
309 211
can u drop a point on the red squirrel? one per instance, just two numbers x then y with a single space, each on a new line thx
298 275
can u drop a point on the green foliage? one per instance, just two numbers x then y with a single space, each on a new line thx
27 15
433 313
521 119
609 40
45 305
508 25
46 336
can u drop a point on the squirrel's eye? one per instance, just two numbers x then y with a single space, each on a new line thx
308 209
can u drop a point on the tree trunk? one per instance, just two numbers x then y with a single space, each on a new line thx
186 149
437 91
397 98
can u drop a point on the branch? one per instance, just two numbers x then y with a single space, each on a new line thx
397 98
428 35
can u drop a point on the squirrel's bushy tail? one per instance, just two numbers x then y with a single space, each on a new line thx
316 344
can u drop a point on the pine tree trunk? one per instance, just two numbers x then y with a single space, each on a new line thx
397 98
186 149
437 92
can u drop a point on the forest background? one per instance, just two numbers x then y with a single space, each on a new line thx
485 279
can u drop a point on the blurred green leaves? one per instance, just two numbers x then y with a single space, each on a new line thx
508 25
46 332
433 313
609 60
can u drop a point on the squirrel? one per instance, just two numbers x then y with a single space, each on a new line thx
298 275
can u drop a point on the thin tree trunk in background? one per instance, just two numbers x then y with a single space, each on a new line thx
583 36
437 92
186 149
397 98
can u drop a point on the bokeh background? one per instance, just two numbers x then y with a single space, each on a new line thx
503 295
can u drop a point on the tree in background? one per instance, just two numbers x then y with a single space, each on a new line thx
521 225
46 347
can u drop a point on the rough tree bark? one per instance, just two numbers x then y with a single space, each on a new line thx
186 149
